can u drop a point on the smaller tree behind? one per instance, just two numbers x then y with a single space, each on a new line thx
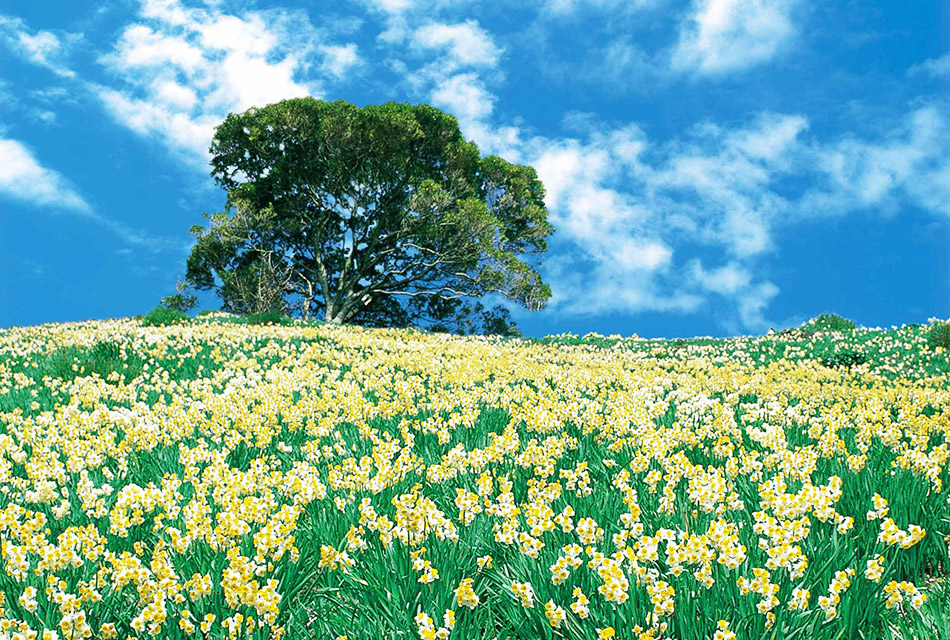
183 300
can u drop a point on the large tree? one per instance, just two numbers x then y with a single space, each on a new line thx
382 214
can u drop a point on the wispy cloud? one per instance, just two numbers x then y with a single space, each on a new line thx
936 67
42 48
23 177
720 36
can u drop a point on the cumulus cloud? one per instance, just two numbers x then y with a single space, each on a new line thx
625 205
720 36
728 279
182 69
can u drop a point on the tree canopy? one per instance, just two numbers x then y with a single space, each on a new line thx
381 215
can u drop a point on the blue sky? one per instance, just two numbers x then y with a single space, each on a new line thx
713 167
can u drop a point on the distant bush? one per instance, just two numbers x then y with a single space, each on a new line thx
164 316
939 335
829 322
271 317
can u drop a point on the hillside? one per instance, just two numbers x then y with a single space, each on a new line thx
233 480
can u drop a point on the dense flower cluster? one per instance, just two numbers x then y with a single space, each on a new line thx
228 481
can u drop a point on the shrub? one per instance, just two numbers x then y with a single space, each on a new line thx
939 335
828 322
164 316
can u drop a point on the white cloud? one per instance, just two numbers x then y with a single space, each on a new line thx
461 59
936 67
464 97
42 48
568 7
720 36
43 116
392 6
725 280
613 256
631 215
340 60
182 69
736 283
731 174
465 44
911 164
22 177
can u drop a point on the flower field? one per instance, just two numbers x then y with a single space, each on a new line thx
222 480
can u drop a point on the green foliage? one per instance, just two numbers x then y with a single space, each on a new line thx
829 322
366 215
164 316
939 335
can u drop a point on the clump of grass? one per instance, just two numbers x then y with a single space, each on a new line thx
939 335
102 358
163 317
